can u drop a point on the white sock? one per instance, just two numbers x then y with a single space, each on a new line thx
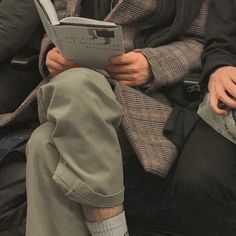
115 226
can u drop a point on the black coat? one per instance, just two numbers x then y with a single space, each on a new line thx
220 46
19 26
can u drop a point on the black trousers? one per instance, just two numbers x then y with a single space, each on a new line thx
15 85
206 183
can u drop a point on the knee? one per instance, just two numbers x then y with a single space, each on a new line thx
36 150
82 90
77 85
79 82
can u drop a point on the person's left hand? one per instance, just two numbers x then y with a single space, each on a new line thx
222 88
131 69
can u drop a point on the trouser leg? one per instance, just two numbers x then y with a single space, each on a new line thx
49 211
206 184
83 115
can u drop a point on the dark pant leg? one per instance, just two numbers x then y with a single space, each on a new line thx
206 184
15 85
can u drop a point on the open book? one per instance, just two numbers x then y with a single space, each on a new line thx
90 43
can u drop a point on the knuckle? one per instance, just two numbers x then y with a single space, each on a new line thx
136 68
220 97
60 67
133 78
47 63
51 53
65 61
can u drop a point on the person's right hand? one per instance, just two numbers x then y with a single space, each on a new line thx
56 63
222 87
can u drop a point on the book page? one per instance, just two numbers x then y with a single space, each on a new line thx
90 47
48 10
90 43
86 22
46 23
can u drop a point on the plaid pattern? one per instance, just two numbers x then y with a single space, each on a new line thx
144 117
25 112
143 122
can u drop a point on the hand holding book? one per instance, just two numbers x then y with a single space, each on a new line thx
56 63
90 43
222 88
131 69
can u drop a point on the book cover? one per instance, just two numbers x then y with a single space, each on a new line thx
90 43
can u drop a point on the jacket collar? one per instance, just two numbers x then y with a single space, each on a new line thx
120 14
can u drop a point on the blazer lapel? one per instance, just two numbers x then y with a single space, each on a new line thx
121 13
72 7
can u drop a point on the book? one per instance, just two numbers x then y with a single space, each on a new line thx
90 43
225 125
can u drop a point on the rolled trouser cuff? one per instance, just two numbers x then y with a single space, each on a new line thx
78 191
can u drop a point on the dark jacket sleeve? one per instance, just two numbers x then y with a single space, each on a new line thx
18 22
220 46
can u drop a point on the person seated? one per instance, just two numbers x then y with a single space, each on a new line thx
74 158
206 174
20 33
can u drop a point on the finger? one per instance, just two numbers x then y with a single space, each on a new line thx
52 65
223 96
63 61
233 79
227 83
123 59
118 77
56 56
122 69
56 49
214 101
230 87
232 74
129 81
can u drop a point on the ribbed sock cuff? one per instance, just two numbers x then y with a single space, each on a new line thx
115 226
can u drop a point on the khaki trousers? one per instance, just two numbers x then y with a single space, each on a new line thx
73 157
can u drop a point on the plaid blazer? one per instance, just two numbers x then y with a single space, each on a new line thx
145 114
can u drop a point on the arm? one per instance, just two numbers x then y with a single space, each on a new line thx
170 63
219 57
220 47
166 64
63 9
18 21
222 88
